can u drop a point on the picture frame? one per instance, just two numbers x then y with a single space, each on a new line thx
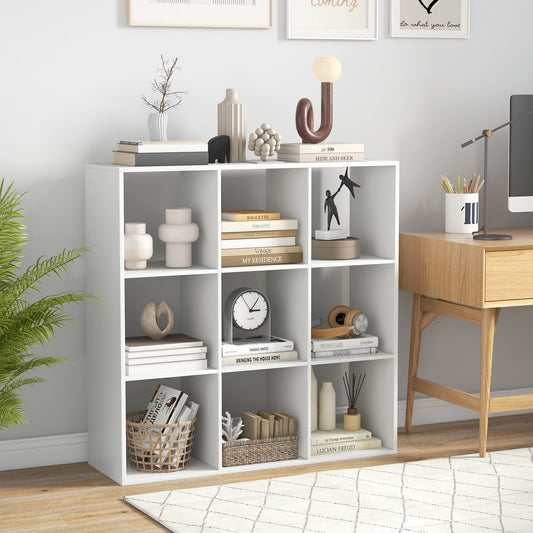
324 19
201 13
430 18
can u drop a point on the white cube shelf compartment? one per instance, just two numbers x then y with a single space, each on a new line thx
298 293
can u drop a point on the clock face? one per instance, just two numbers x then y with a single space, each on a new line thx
250 310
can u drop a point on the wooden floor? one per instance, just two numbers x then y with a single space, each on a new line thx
77 498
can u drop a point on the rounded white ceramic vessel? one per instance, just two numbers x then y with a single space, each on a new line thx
138 245
178 233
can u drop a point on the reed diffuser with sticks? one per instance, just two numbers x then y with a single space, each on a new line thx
352 419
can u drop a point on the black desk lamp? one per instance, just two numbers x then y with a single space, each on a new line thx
485 134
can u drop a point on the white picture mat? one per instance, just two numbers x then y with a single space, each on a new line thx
201 13
443 12
311 19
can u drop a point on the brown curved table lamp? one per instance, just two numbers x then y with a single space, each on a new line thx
327 69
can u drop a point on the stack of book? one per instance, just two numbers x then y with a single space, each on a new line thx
344 345
173 354
257 237
266 425
257 350
321 153
340 441
143 153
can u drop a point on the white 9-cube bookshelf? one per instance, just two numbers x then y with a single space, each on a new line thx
298 293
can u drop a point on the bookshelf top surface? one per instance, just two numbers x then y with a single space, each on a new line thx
250 165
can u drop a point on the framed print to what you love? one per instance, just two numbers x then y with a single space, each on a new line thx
430 18
201 13
332 19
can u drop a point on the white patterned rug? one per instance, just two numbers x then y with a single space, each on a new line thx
463 494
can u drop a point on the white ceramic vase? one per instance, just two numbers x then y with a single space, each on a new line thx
314 401
157 126
138 245
327 407
178 233
232 122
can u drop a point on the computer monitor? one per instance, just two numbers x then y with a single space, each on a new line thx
520 190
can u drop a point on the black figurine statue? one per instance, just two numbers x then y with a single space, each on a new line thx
218 149
329 202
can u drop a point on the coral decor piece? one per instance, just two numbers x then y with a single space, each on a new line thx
264 141
231 427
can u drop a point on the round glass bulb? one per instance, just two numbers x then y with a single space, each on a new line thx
327 68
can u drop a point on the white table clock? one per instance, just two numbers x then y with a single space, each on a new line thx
246 314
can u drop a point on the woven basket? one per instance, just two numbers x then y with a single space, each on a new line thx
247 452
158 447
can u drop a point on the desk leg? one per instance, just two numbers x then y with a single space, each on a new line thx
489 317
414 352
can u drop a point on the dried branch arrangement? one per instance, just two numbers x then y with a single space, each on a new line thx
353 388
162 85
231 427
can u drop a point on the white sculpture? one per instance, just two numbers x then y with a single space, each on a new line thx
264 141
149 316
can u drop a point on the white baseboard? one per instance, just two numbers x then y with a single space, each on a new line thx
43 451
63 449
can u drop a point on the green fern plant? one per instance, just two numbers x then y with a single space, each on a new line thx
27 320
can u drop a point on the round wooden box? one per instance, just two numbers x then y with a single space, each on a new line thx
337 249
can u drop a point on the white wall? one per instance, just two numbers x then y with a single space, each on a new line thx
72 75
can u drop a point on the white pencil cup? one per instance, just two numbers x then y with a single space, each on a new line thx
462 213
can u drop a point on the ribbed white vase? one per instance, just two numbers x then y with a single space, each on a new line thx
232 122
327 407
157 126
178 233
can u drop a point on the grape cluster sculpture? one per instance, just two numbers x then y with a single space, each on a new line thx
264 141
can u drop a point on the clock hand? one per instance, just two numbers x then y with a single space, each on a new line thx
244 300
252 308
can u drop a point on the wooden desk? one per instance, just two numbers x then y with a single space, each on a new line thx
455 275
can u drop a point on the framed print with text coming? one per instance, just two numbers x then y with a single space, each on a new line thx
332 19
201 13
430 18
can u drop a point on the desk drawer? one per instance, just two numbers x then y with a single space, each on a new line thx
509 275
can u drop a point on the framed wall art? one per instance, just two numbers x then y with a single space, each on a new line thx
332 19
201 13
430 18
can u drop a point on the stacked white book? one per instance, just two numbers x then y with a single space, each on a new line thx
344 345
174 354
258 237
258 350
155 153
340 441
321 152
